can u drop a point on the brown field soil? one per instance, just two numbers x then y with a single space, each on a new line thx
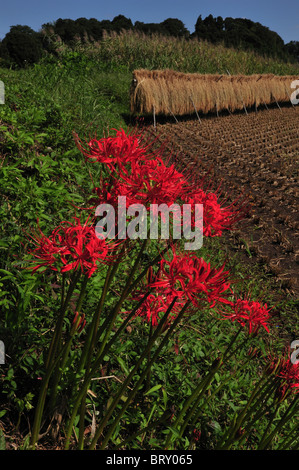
255 153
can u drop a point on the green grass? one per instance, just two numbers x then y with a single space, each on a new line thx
43 175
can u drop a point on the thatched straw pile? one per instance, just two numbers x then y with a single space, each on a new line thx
166 91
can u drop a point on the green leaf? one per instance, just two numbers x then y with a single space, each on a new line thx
153 389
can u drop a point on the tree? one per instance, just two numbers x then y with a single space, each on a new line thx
120 22
293 49
210 29
175 27
149 28
21 46
66 29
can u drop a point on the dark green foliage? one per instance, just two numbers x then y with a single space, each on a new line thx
210 29
249 35
241 33
149 28
175 27
120 22
293 49
21 46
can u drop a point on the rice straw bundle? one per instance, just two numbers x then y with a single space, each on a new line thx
167 91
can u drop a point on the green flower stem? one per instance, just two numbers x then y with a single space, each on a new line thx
148 378
195 410
125 293
96 318
50 351
60 367
92 338
265 383
95 366
202 387
288 441
143 356
198 392
42 398
82 293
229 352
51 362
58 327
271 419
95 326
89 344
289 413
104 352
137 365
152 263
134 391
129 287
260 413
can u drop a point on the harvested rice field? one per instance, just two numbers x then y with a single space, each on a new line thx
257 154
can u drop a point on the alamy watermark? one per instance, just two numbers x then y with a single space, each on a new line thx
2 353
138 227
2 92
295 94
295 353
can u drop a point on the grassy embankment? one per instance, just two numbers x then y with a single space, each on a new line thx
42 174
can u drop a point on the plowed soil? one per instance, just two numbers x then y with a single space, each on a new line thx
255 153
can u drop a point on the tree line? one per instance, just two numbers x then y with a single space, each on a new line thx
22 45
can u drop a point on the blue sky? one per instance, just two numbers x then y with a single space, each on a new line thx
280 16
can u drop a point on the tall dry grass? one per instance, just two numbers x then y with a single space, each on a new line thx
135 50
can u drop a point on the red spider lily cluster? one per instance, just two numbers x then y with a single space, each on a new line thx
287 374
156 305
114 151
250 314
188 277
71 246
140 173
144 182
135 170
216 218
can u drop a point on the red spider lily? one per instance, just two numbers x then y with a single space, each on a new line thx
121 149
155 183
287 374
216 217
249 313
114 150
156 305
46 250
109 191
145 182
71 246
191 278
